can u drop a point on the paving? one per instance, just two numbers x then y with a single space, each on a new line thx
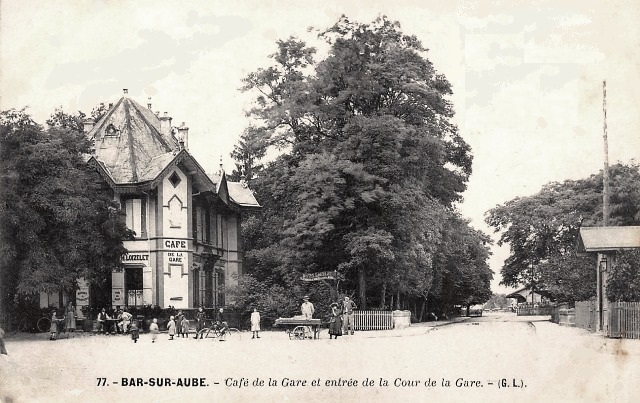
493 358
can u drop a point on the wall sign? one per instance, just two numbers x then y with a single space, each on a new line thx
180 244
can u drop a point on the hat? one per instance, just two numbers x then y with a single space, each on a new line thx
305 297
334 304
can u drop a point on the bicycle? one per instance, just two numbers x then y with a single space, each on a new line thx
214 331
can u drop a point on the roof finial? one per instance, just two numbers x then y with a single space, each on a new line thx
149 103
221 168
126 91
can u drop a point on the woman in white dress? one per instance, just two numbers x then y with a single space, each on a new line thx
255 323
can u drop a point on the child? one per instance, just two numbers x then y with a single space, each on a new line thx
135 333
255 323
185 326
171 327
153 328
54 327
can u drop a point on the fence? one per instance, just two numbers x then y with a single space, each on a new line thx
373 320
624 320
586 315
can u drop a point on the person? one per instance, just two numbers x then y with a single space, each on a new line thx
3 349
200 318
171 327
54 326
255 323
179 317
153 329
347 315
222 324
135 332
70 316
125 321
102 320
307 310
118 320
335 323
184 327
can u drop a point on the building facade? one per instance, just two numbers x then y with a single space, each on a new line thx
187 248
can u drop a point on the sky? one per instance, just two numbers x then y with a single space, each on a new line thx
527 76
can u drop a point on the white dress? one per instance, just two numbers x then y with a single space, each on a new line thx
255 321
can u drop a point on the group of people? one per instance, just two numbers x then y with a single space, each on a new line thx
69 319
341 322
120 322
341 316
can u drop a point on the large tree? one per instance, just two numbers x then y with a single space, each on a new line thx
55 217
370 162
541 230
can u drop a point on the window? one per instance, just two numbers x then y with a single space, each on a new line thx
136 210
220 230
202 225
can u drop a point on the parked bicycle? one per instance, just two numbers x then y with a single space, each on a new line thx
213 330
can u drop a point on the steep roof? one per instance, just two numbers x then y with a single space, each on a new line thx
600 239
241 194
130 144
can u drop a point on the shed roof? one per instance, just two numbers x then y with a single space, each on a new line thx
601 239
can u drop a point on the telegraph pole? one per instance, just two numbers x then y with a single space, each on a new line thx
605 173
602 302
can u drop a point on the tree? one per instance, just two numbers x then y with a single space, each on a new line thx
53 230
369 167
542 230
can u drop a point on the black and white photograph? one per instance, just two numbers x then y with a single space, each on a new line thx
283 201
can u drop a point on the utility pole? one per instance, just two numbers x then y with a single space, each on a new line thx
602 302
605 173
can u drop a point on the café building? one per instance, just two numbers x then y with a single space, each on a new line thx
187 248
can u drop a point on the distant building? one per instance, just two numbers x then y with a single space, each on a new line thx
188 246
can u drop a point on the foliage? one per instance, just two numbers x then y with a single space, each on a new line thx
370 165
624 278
498 301
542 230
53 230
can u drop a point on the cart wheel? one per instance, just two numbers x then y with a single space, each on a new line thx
298 333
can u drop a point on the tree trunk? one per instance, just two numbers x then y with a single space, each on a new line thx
398 300
362 282
383 295
422 308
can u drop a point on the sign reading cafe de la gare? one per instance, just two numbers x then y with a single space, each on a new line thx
186 221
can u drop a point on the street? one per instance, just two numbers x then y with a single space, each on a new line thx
495 358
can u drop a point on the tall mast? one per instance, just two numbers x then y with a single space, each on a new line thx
605 173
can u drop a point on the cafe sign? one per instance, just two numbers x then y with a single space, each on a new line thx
135 258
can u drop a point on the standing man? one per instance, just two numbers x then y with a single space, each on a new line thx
307 311
200 317
347 315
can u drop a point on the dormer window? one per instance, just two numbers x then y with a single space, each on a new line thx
111 130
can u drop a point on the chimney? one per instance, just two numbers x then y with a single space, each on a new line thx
183 136
165 124
125 91
149 104
110 105
88 125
